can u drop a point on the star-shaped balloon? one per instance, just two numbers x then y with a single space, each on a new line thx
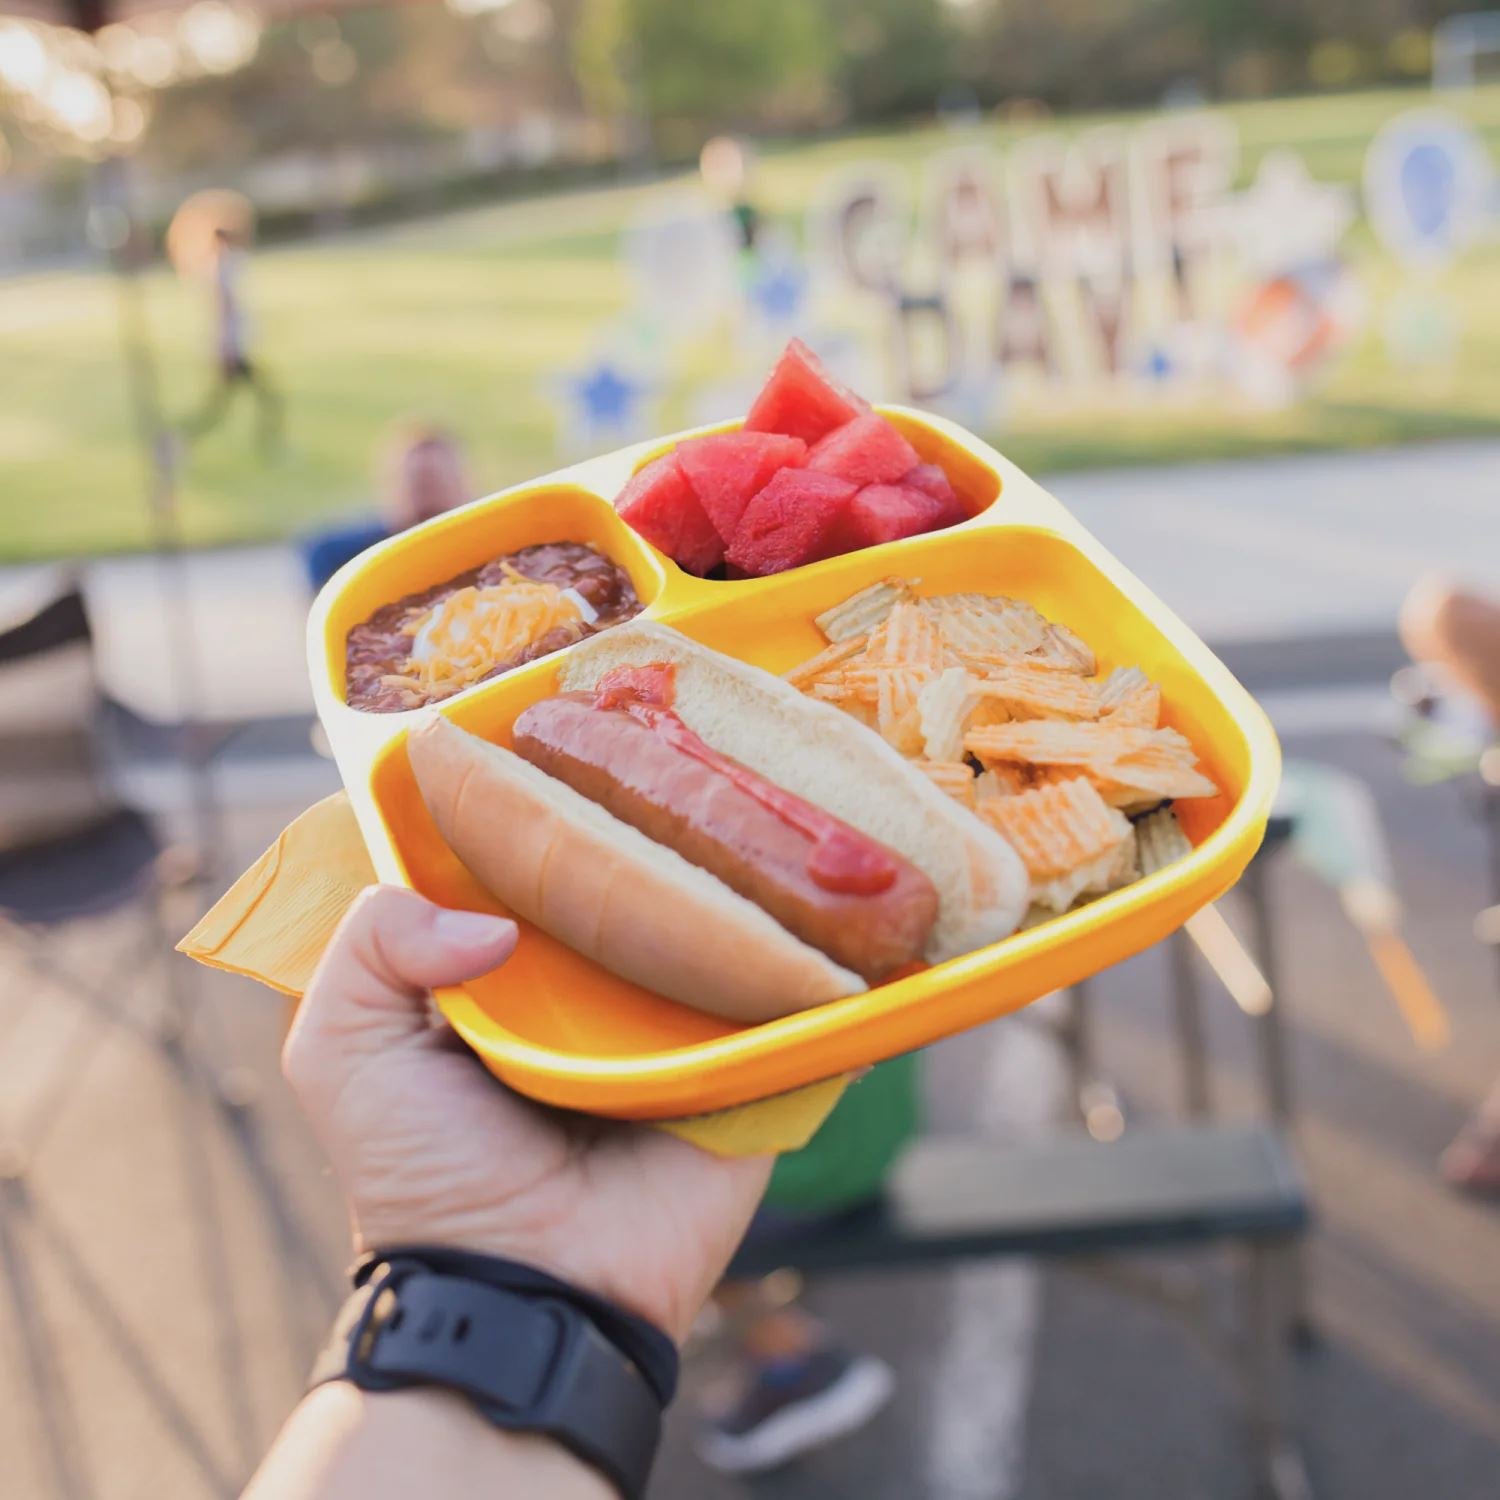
602 405
1286 218
778 290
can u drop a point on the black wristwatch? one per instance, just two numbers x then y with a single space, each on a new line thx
532 1353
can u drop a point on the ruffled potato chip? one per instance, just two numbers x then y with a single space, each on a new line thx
1061 830
1128 696
818 666
1037 690
1053 742
897 715
1160 841
944 707
907 639
1002 779
954 777
1060 645
978 622
860 613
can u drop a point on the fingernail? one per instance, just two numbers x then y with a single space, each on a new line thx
471 929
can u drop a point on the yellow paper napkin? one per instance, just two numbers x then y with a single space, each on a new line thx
273 923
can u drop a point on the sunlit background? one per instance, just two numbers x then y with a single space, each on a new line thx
1224 277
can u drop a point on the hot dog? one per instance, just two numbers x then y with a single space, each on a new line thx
701 828
864 906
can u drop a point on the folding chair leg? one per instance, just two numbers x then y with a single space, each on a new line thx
1097 1101
1268 1279
1270 1039
1187 1007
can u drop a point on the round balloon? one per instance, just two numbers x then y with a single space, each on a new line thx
1427 181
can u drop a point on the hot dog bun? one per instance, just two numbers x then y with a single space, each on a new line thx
569 867
834 762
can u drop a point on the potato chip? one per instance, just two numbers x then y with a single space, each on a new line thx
1142 708
860 613
986 711
815 666
953 777
1003 779
1160 841
982 631
907 639
1066 836
1163 765
861 684
944 706
1120 684
1051 775
1035 690
1128 696
896 713
1053 742
980 622
1060 645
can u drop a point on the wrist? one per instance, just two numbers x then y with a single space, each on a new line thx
342 1441
585 1269
529 1353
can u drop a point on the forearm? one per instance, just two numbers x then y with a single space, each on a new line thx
345 1444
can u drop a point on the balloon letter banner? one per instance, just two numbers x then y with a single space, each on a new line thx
1116 261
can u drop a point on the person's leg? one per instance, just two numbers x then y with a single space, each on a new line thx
798 1387
269 408
1472 1161
1460 633
212 409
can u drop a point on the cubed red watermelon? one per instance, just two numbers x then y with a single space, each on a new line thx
801 399
660 504
886 513
866 450
726 469
792 521
931 480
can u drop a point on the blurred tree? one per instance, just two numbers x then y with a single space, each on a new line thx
691 68
893 56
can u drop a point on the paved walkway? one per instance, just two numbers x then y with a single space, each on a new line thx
162 1288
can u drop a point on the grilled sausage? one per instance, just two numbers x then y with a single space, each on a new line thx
707 815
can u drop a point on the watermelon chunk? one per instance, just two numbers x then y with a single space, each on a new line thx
886 513
727 469
792 521
931 480
867 450
660 504
801 399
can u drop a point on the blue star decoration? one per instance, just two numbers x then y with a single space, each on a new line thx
1159 364
606 396
778 289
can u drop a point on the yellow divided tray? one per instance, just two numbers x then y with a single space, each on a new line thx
557 1027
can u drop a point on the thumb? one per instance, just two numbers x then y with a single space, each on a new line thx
370 989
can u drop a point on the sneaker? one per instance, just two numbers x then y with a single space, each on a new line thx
794 1406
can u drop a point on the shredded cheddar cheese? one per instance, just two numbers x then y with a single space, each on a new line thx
476 629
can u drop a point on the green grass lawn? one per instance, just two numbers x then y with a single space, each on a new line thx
469 317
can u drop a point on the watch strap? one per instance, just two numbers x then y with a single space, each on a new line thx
529 1363
638 1339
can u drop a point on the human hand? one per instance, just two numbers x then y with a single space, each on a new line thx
429 1148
